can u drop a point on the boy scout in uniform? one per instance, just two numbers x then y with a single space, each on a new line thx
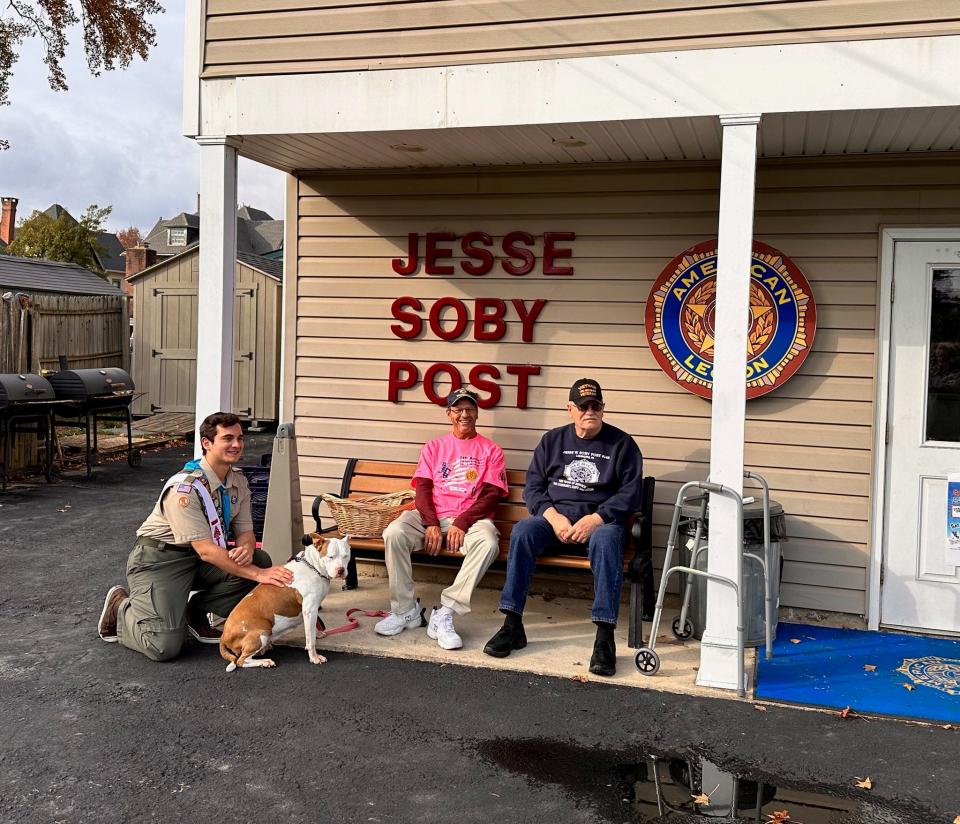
181 547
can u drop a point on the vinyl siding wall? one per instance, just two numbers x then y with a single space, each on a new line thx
812 438
246 37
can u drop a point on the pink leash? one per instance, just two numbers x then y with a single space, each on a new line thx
352 623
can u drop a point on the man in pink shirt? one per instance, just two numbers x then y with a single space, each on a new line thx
459 480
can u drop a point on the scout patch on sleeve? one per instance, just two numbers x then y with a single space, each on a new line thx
184 500
184 488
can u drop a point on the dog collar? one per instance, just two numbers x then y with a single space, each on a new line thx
302 557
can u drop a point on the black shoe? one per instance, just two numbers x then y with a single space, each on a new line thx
506 641
604 658
198 625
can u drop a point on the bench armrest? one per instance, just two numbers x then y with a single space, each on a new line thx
315 511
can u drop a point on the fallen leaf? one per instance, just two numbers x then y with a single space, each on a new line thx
704 798
548 597
869 667
950 727
759 708
864 783
578 663
778 817
795 641
581 678
908 687
845 712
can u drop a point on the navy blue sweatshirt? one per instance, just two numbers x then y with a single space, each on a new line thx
579 476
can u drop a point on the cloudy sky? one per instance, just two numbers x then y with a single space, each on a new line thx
112 140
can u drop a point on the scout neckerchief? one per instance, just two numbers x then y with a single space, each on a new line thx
196 480
224 498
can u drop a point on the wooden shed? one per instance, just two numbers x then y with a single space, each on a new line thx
165 336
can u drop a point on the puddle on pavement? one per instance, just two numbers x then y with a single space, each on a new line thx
660 787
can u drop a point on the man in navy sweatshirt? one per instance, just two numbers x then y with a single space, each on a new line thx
583 483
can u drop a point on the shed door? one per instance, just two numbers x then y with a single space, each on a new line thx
174 360
245 324
173 366
920 589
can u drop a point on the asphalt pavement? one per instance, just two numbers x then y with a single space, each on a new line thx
94 732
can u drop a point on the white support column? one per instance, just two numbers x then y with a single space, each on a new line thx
718 654
218 263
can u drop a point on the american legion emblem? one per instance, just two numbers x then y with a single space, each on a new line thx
933 671
681 315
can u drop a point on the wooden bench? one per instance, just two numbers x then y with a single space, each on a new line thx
362 478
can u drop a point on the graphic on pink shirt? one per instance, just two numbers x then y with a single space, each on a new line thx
459 468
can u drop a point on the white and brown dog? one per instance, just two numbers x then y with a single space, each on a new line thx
269 611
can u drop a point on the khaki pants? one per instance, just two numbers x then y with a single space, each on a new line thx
153 620
481 545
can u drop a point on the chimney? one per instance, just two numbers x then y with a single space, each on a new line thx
8 219
140 257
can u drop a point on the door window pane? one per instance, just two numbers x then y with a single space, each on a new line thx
943 383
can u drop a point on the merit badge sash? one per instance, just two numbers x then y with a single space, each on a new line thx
188 481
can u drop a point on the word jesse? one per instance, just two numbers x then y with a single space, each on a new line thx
517 248
482 377
488 317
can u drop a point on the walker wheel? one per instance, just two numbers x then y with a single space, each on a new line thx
647 661
683 634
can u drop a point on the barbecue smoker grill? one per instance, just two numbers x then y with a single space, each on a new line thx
26 403
90 396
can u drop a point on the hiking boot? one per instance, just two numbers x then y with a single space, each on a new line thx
198 625
507 639
107 625
604 658
394 624
441 629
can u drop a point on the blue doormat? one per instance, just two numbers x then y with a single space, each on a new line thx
826 667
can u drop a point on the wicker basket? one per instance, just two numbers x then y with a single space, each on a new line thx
366 517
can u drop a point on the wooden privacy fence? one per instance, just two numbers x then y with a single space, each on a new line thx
36 328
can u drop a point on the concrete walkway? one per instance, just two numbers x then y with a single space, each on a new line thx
559 638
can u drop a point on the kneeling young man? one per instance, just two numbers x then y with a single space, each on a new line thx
584 482
459 480
182 547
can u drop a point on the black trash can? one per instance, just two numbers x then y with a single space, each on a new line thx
754 592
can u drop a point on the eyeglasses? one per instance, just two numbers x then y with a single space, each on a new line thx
589 406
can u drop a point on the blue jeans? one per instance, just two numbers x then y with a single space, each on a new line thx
532 536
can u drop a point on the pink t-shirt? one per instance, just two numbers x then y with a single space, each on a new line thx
459 467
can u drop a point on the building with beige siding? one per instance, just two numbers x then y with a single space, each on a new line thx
607 138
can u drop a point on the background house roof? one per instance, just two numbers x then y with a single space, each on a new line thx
109 252
257 232
34 275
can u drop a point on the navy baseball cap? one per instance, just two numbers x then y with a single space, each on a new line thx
462 394
585 390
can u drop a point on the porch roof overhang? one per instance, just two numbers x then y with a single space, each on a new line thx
839 98
795 134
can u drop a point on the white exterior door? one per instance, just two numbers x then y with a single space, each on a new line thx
920 590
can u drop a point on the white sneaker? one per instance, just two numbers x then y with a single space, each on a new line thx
441 629
394 624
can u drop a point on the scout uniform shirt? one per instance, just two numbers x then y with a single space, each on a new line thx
179 517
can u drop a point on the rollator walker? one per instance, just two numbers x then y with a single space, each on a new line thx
647 660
